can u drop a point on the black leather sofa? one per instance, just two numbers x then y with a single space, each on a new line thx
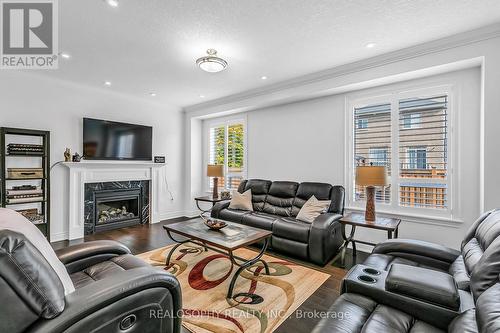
115 291
276 204
457 263
418 294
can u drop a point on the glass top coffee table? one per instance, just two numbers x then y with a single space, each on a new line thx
225 241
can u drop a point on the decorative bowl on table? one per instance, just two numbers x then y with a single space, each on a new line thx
213 224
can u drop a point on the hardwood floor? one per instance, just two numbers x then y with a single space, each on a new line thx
148 237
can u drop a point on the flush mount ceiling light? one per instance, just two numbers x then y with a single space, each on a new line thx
370 45
211 63
112 3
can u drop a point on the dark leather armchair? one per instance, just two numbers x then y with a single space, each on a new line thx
115 291
458 263
276 205
417 299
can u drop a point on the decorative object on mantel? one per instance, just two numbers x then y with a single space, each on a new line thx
225 194
215 171
371 176
77 158
67 155
27 186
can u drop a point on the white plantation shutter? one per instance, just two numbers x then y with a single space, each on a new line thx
423 152
217 142
411 137
227 147
372 144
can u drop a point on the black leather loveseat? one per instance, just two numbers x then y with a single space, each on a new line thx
276 204
114 291
408 287
458 263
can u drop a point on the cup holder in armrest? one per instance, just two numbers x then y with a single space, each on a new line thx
371 271
367 279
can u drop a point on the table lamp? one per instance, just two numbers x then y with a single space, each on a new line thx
215 171
371 176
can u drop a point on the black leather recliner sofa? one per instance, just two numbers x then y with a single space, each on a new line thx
412 291
276 204
115 291
457 263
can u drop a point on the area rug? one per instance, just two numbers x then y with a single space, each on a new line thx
262 302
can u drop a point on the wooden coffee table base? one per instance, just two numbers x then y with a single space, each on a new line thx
244 263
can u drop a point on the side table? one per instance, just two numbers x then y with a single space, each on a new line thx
391 225
208 198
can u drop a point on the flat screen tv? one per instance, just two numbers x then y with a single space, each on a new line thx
109 140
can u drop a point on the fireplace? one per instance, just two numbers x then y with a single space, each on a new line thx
117 208
112 205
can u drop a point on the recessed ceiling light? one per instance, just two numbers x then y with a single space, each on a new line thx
370 45
65 55
263 77
202 96
107 83
211 63
152 94
112 3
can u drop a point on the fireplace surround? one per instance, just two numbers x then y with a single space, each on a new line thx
112 205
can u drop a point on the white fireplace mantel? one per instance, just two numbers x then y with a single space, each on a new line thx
81 173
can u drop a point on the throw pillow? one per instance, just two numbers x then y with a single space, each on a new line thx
242 201
12 220
312 209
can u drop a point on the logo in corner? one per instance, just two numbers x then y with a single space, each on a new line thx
28 34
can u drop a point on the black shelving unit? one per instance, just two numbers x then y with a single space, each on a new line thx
43 206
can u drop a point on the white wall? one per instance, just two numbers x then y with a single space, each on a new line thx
33 101
305 141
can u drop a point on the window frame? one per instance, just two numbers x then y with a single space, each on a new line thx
393 96
225 122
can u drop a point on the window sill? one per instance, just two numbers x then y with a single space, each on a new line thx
420 219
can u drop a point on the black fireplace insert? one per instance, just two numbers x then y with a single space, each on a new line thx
117 208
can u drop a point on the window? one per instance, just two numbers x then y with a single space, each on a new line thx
416 158
410 136
227 147
378 156
411 120
361 123
372 144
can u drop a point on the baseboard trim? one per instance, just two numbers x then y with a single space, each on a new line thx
60 236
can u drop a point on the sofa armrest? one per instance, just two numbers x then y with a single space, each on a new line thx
324 237
117 296
218 207
419 251
81 256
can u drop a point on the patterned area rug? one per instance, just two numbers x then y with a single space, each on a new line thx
261 302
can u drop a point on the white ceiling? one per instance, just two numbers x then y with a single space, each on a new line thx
152 45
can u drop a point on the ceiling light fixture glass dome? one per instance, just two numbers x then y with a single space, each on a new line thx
211 63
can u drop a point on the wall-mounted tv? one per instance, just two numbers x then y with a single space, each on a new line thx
109 140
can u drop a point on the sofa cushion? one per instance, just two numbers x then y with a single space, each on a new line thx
280 198
312 209
105 269
233 215
306 190
259 189
356 313
291 228
241 201
12 220
259 220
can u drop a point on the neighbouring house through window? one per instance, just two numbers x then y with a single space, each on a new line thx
410 136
